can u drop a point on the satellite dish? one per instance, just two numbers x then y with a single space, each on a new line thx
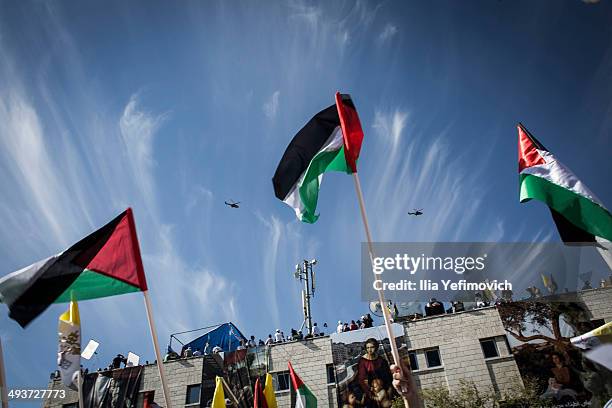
90 349
376 309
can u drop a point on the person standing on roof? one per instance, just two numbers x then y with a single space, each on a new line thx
278 336
251 343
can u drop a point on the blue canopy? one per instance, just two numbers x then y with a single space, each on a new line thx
227 336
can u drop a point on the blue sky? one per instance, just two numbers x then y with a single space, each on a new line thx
172 108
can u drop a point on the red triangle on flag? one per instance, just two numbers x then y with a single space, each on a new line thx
528 154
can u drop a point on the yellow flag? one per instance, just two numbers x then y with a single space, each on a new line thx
219 396
269 392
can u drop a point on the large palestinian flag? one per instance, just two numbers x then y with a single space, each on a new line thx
105 263
304 398
578 214
330 141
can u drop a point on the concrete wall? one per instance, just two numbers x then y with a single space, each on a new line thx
457 336
309 359
180 374
599 302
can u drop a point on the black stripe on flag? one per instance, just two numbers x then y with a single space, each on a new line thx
305 144
535 141
568 231
59 275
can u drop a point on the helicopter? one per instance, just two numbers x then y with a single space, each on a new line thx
232 204
416 212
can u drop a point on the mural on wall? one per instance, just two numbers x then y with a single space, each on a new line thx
361 362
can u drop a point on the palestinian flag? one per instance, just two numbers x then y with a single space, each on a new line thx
69 349
330 141
305 398
105 263
578 214
259 399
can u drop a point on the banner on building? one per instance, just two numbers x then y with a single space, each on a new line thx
559 373
361 364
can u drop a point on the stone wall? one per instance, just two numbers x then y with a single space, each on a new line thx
599 302
457 337
309 359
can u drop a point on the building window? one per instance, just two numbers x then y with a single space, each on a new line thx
414 364
281 381
331 374
489 348
193 394
433 358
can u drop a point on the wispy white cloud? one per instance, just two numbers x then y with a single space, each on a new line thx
344 39
387 33
138 128
270 107
274 233
197 194
427 174
390 126
190 287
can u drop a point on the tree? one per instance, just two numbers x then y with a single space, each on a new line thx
541 321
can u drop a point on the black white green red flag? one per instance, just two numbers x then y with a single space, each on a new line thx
304 398
105 263
579 215
330 141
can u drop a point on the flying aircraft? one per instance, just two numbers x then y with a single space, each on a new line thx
416 212
232 204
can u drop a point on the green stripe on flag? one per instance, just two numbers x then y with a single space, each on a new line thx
578 209
92 285
310 401
309 189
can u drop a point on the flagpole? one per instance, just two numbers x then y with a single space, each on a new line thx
80 388
229 390
381 295
160 364
3 386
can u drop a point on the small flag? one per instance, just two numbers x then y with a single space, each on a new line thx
69 349
219 396
549 283
269 392
305 398
330 141
578 214
259 400
105 263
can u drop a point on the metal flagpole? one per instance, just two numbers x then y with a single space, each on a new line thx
3 386
381 296
160 364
